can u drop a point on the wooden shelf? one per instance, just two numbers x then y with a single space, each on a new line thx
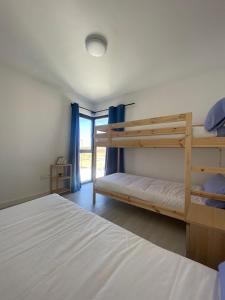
60 178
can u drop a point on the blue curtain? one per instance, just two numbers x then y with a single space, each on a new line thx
116 115
74 150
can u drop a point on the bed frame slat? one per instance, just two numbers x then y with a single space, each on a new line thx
212 170
217 197
150 121
143 132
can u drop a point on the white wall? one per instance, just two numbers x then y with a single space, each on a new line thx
197 95
34 130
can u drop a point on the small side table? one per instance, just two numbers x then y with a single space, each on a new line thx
205 234
60 178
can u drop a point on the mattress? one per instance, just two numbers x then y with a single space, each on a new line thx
162 192
201 132
53 250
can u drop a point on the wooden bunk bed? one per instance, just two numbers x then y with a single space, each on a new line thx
160 137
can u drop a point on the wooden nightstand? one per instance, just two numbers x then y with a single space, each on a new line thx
60 178
205 234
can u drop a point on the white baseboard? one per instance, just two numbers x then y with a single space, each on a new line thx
19 201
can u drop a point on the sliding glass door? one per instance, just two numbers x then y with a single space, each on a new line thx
101 151
86 148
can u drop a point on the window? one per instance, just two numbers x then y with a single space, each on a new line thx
86 142
101 151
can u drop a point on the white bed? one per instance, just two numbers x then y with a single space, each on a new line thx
50 249
167 193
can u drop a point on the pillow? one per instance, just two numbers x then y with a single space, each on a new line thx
222 279
215 184
216 116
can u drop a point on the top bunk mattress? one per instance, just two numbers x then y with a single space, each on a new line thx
51 249
201 132
157 191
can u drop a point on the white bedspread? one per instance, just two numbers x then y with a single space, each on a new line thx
50 249
162 192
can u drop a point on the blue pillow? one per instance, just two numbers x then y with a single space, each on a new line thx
215 184
222 279
216 116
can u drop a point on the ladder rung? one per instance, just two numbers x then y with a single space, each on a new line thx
213 196
213 170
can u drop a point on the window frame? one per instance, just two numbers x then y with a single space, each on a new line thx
92 141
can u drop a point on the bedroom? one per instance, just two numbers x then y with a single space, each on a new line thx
166 57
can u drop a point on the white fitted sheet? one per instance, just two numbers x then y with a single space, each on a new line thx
50 249
200 131
162 192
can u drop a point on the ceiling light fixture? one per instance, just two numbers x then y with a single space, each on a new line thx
96 45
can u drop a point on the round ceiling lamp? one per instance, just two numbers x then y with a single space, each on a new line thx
96 45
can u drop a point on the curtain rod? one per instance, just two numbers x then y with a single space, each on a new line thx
91 111
95 112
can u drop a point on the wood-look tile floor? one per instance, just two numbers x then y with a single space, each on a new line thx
160 230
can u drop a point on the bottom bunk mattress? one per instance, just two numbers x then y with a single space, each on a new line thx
162 192
50 249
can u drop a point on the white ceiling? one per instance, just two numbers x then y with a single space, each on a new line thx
149 42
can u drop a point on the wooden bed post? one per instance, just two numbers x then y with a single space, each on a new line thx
94 166
188 161
118 159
